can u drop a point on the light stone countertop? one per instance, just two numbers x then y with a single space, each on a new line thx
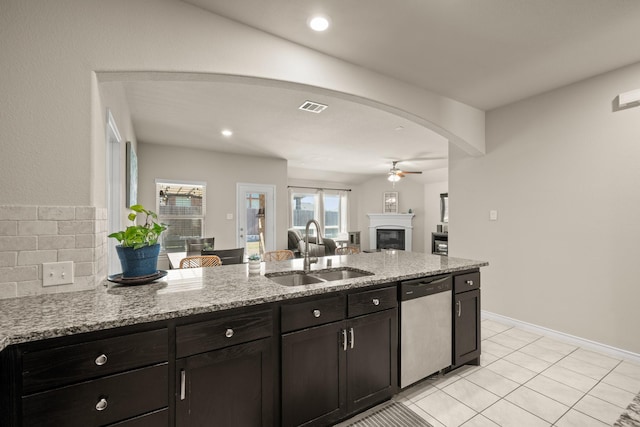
199 290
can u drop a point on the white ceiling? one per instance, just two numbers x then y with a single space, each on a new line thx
485 53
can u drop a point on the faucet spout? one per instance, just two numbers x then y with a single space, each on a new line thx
307 259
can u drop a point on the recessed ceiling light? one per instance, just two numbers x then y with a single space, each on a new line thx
226 132
318 23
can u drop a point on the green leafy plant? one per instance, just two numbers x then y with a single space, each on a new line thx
254 257
137 236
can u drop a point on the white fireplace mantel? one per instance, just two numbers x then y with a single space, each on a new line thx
393 222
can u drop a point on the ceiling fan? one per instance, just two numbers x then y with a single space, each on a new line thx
396 174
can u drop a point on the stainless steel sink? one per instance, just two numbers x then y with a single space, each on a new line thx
298 277
293 278
341 273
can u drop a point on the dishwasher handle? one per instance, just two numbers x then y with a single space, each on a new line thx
417 288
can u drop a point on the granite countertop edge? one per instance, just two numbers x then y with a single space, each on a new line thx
40 317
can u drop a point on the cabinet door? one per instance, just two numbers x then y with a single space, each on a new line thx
228 387
313 375
466 319
372 359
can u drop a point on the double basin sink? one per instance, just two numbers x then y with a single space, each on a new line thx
299 277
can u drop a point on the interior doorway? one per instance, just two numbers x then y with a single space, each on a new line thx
256 218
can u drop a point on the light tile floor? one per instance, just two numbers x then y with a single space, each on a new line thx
525 380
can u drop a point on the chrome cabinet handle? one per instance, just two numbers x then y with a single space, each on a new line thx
101 360
316 313
228 333
459 304
101 405
183 385
376 301
344 339
469 282
351 338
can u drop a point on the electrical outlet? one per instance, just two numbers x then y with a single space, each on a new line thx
57 273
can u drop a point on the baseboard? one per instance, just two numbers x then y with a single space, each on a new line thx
561 336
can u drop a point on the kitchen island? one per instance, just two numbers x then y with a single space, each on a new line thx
173 319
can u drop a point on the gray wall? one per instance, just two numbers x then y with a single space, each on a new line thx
221 172
563 171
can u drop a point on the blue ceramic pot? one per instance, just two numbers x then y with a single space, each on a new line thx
138 262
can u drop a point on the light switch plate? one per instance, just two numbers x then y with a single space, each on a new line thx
57 273
229 216
493 215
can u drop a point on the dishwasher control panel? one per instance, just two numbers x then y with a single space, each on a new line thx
425 286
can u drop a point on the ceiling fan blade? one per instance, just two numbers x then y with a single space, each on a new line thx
416 172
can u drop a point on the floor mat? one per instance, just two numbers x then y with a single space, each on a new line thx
630 417
392 415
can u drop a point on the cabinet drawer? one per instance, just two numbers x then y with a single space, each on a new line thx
372 301
99 402
73 363
466 282
223 332
154 419
312 313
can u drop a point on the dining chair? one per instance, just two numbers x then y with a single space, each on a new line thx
200 243
347 250
229 256
279 255
200 261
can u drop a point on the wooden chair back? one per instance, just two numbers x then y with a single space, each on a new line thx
200 261
279 255
347 250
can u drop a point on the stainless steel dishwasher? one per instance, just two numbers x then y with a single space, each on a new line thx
425 327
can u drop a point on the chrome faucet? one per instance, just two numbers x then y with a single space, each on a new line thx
310 260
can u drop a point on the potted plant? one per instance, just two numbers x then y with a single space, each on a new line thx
139 248
254 264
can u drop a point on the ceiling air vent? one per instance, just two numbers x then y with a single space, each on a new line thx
312 107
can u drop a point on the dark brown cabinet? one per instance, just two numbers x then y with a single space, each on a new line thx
336 369
224 375
466 319
96 382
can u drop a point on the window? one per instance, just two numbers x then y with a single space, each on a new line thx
329 208
181 205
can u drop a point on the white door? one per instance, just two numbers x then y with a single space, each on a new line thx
256 218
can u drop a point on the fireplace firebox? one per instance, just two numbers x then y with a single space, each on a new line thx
389 239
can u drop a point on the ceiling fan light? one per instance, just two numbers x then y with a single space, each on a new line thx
393 177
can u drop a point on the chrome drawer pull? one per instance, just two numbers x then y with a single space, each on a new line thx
344 339
352 337
229 333
101 405
469 282
183 384
101 360
316 313
376 301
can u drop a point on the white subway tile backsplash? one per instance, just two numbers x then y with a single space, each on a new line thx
8 290
32 235
75 255
18 212
8 228
56 242
37 228
8 259
18 243
36 257
57 213
18 273
76 227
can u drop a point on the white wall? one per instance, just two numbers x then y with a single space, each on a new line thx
221 172
563 171
53 128
410 196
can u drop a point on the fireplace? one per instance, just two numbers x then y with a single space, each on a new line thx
389 239
396 231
